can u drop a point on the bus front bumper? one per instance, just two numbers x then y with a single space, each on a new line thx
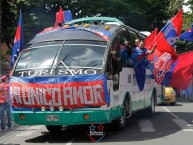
65 117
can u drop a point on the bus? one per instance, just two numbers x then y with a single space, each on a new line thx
73 75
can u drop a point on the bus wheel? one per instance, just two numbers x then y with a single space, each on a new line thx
120 123
172 103
150 110
54 128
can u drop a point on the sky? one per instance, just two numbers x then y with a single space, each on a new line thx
186 8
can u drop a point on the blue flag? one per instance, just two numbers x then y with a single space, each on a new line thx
67 16
187 35
140 62
18 41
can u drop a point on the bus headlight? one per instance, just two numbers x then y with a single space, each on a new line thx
61 108
43 108
52 108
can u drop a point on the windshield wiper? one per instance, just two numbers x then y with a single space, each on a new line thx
53 60
62 62
67 67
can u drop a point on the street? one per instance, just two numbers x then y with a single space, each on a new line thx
170 125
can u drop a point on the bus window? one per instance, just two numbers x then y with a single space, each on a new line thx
141 37
133 36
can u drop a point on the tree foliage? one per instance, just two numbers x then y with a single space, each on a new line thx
37 15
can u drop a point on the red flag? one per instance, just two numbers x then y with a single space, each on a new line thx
168 36
59 17
150 40
150 43
182 71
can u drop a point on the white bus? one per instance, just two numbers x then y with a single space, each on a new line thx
73 76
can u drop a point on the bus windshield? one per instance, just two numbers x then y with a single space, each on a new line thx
39 56
83 54
59 55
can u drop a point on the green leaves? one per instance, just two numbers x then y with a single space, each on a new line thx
142 15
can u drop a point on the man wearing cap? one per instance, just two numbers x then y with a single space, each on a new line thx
5 102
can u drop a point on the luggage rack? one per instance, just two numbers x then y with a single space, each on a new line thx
96 20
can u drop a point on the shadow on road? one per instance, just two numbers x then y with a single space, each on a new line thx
162 122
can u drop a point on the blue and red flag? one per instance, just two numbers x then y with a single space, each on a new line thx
181 72
105 34
169 34
67 91
187 35
165 53
18 41
161 66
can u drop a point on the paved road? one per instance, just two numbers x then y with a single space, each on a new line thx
170 125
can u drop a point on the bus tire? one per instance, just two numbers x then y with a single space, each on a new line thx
149 112
120 123
172 103
54 128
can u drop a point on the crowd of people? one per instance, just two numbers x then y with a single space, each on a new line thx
186 94
5 103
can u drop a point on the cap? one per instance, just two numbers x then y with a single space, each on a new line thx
4 78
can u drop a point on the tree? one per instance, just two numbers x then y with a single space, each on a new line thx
8 20
40 14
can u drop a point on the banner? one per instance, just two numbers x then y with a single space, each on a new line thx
68 91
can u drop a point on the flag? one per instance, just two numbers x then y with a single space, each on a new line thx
140 62
161 66
67 16
150 43
181 71
18 41
187 35
169 34
165 53
59 17
150 40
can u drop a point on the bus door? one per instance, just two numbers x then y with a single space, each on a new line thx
113 69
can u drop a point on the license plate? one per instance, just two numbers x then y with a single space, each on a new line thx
52 117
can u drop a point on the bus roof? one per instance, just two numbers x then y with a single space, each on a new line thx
74 33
